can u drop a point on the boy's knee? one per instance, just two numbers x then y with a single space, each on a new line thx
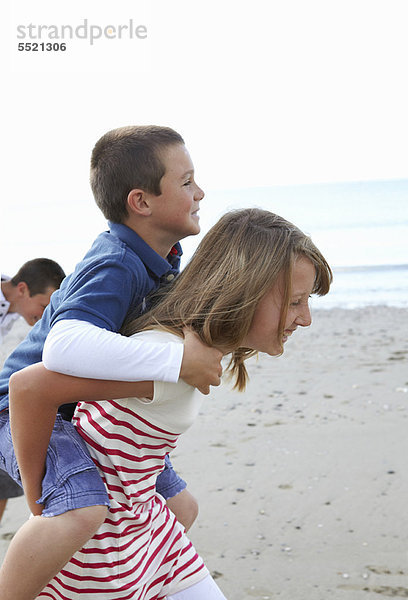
192 512
185 507
92 517
86 521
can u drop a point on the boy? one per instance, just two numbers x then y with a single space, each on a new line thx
26 295
143 181
28 292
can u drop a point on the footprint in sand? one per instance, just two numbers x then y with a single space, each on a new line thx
383 590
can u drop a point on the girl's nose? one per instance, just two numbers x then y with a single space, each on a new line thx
304 319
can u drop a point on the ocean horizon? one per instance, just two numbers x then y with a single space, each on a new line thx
360 227
370 285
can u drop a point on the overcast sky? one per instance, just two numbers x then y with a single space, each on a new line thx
264 92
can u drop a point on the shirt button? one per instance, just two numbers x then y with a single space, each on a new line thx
170 277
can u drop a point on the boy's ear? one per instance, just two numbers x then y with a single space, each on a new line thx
138 202
23 289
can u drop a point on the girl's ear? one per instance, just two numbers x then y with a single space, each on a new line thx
138 203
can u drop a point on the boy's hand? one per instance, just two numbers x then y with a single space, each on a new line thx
201 365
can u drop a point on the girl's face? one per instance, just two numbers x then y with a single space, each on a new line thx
263 334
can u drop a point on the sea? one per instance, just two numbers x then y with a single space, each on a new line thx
360 227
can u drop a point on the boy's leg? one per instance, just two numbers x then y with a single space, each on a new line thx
3 503
75 501
179 500
42 546
206 589
185 507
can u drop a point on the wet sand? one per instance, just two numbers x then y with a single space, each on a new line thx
302 480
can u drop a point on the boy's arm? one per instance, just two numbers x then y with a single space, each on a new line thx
82 349
35 395
201 365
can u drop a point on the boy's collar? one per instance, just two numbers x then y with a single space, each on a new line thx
150 258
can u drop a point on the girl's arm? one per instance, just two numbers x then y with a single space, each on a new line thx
35 395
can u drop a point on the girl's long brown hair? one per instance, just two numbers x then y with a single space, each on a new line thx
236 263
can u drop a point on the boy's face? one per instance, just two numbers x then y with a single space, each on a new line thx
31 308
175 211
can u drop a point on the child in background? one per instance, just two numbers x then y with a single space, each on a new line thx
143 181
245 290
26 294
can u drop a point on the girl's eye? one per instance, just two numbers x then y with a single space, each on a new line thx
295 303
187 182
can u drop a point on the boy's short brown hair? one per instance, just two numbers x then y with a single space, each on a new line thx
39 274
125 159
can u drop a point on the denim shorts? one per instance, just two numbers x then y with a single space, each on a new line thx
71 478
168 483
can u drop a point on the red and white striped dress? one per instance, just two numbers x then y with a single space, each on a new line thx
141 551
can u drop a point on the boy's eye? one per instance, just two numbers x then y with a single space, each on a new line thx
187 182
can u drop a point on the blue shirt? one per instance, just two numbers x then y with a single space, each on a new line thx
113 278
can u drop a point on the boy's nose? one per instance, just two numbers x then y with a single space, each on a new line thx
199 194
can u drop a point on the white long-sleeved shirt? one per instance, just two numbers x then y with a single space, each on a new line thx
81 349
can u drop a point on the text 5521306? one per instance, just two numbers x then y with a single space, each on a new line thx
41 47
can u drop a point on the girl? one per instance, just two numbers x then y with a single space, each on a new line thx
245 290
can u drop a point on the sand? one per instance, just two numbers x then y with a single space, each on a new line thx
301 480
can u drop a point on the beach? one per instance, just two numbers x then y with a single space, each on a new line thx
301 480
